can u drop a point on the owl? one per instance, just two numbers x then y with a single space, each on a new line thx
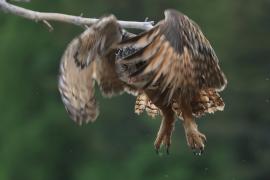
171 68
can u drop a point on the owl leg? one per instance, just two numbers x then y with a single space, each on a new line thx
165 130
195 139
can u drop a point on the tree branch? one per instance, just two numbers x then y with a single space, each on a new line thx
76 20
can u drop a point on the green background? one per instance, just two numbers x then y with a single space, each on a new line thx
38 141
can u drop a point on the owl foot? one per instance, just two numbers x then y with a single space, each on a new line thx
163 140
195 140
164 137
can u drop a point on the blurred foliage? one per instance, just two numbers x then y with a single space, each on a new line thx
38 141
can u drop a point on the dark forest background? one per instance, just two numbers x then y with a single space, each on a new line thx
38 141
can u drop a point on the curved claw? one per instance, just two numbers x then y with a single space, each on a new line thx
201 150
157 150
196 141
168 149
198 152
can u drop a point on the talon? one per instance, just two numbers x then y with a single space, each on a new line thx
204 140
197 152
157 150
202 150
196 141
168 150
165 131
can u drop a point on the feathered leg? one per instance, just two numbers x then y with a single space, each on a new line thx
167 124
166 129
195 139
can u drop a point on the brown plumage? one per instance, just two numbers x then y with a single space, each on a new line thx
88 58
144 103
206 101
172 66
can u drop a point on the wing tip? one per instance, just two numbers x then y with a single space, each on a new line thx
168 13
82 116
105 20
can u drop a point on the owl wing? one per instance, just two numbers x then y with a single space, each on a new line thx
79 66
175 55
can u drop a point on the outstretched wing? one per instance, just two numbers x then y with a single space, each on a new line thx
175 55
79 65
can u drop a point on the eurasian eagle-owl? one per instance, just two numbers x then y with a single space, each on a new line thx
172 69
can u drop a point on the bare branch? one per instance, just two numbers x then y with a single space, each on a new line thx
76 20
21 0
48 25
